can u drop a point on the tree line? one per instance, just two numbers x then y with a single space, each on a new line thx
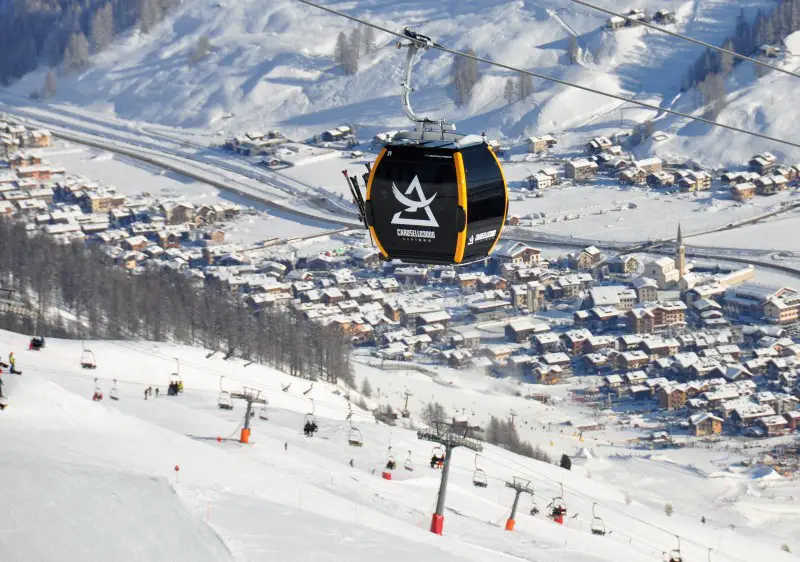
105 302
707 74
52 32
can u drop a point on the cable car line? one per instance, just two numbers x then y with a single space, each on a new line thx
558 80
686 38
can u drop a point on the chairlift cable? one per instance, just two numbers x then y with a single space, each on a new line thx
686 38
557 80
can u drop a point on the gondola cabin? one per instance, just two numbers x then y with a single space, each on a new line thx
439 200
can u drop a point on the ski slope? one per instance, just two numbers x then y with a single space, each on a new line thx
98 480
272 67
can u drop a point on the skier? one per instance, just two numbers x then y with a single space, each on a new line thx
13 362
285 446
351 463
156 392
390 464
434 460
307 429
1 387
313 428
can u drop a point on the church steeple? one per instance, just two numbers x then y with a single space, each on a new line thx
680 254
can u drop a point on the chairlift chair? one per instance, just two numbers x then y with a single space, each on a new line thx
408 465
354 438
438 452
675 554
310 417
479 476
98 394
391 464
263 414
598 527
113 393
88 360
225 401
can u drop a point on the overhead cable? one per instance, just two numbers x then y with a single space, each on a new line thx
556 80
686 38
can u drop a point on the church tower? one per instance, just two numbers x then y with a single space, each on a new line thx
680 254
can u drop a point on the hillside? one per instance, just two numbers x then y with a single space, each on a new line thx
272 66
101 477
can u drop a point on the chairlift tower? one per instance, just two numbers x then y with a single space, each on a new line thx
520 486
444 436
251 396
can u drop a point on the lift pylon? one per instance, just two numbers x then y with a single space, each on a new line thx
443 435
520 486
250 396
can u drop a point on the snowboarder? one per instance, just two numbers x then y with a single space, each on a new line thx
351 463
156 392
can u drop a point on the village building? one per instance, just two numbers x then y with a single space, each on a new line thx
580 169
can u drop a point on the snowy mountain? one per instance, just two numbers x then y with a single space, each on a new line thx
272 66
100 479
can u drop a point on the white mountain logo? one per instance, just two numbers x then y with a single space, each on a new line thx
414 206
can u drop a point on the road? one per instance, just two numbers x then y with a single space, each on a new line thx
272 190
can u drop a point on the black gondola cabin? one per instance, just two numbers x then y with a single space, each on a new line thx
436 201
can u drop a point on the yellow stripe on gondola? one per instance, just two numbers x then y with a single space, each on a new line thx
461 183
369 192
505 190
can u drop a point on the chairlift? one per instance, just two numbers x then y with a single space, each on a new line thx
437 457
87 359
391 464
558 507
263 414
113 393
310 417
98 394
225 401
408 465
675 554
598 527
479 476
175 381
354 439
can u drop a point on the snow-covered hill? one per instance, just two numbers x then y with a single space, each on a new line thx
97 479
272 66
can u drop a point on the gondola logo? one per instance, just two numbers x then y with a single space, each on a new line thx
481 237
413 206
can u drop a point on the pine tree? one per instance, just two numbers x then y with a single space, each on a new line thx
350 58
369 40
668 509
341 47
525 86
201 50
510 92
466 74
102 27
50 85
149 15
743 40
726 61
356 42
573 50
366 388
566 463
76 55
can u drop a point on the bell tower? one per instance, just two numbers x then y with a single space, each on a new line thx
680 254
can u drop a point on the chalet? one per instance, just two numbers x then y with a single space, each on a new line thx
574 341
763 163
488 309
746 414
516 253
660 180
635 377
540 144
615 22
597 343
705 424
178 213
650 165
743 192
470 339
135 243
543 179
558 359
664 16
337 134
672 397
630 342
632 176
773 425
411 275
468 281
580 169
646 289
792 420
458 358
622 264
365 258
613 381
632 360
332 295
598 145
520 330
546 343
441 317
498 353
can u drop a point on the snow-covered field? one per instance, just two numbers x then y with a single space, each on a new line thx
99 478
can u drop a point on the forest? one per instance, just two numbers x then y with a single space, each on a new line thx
52 32
74 292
